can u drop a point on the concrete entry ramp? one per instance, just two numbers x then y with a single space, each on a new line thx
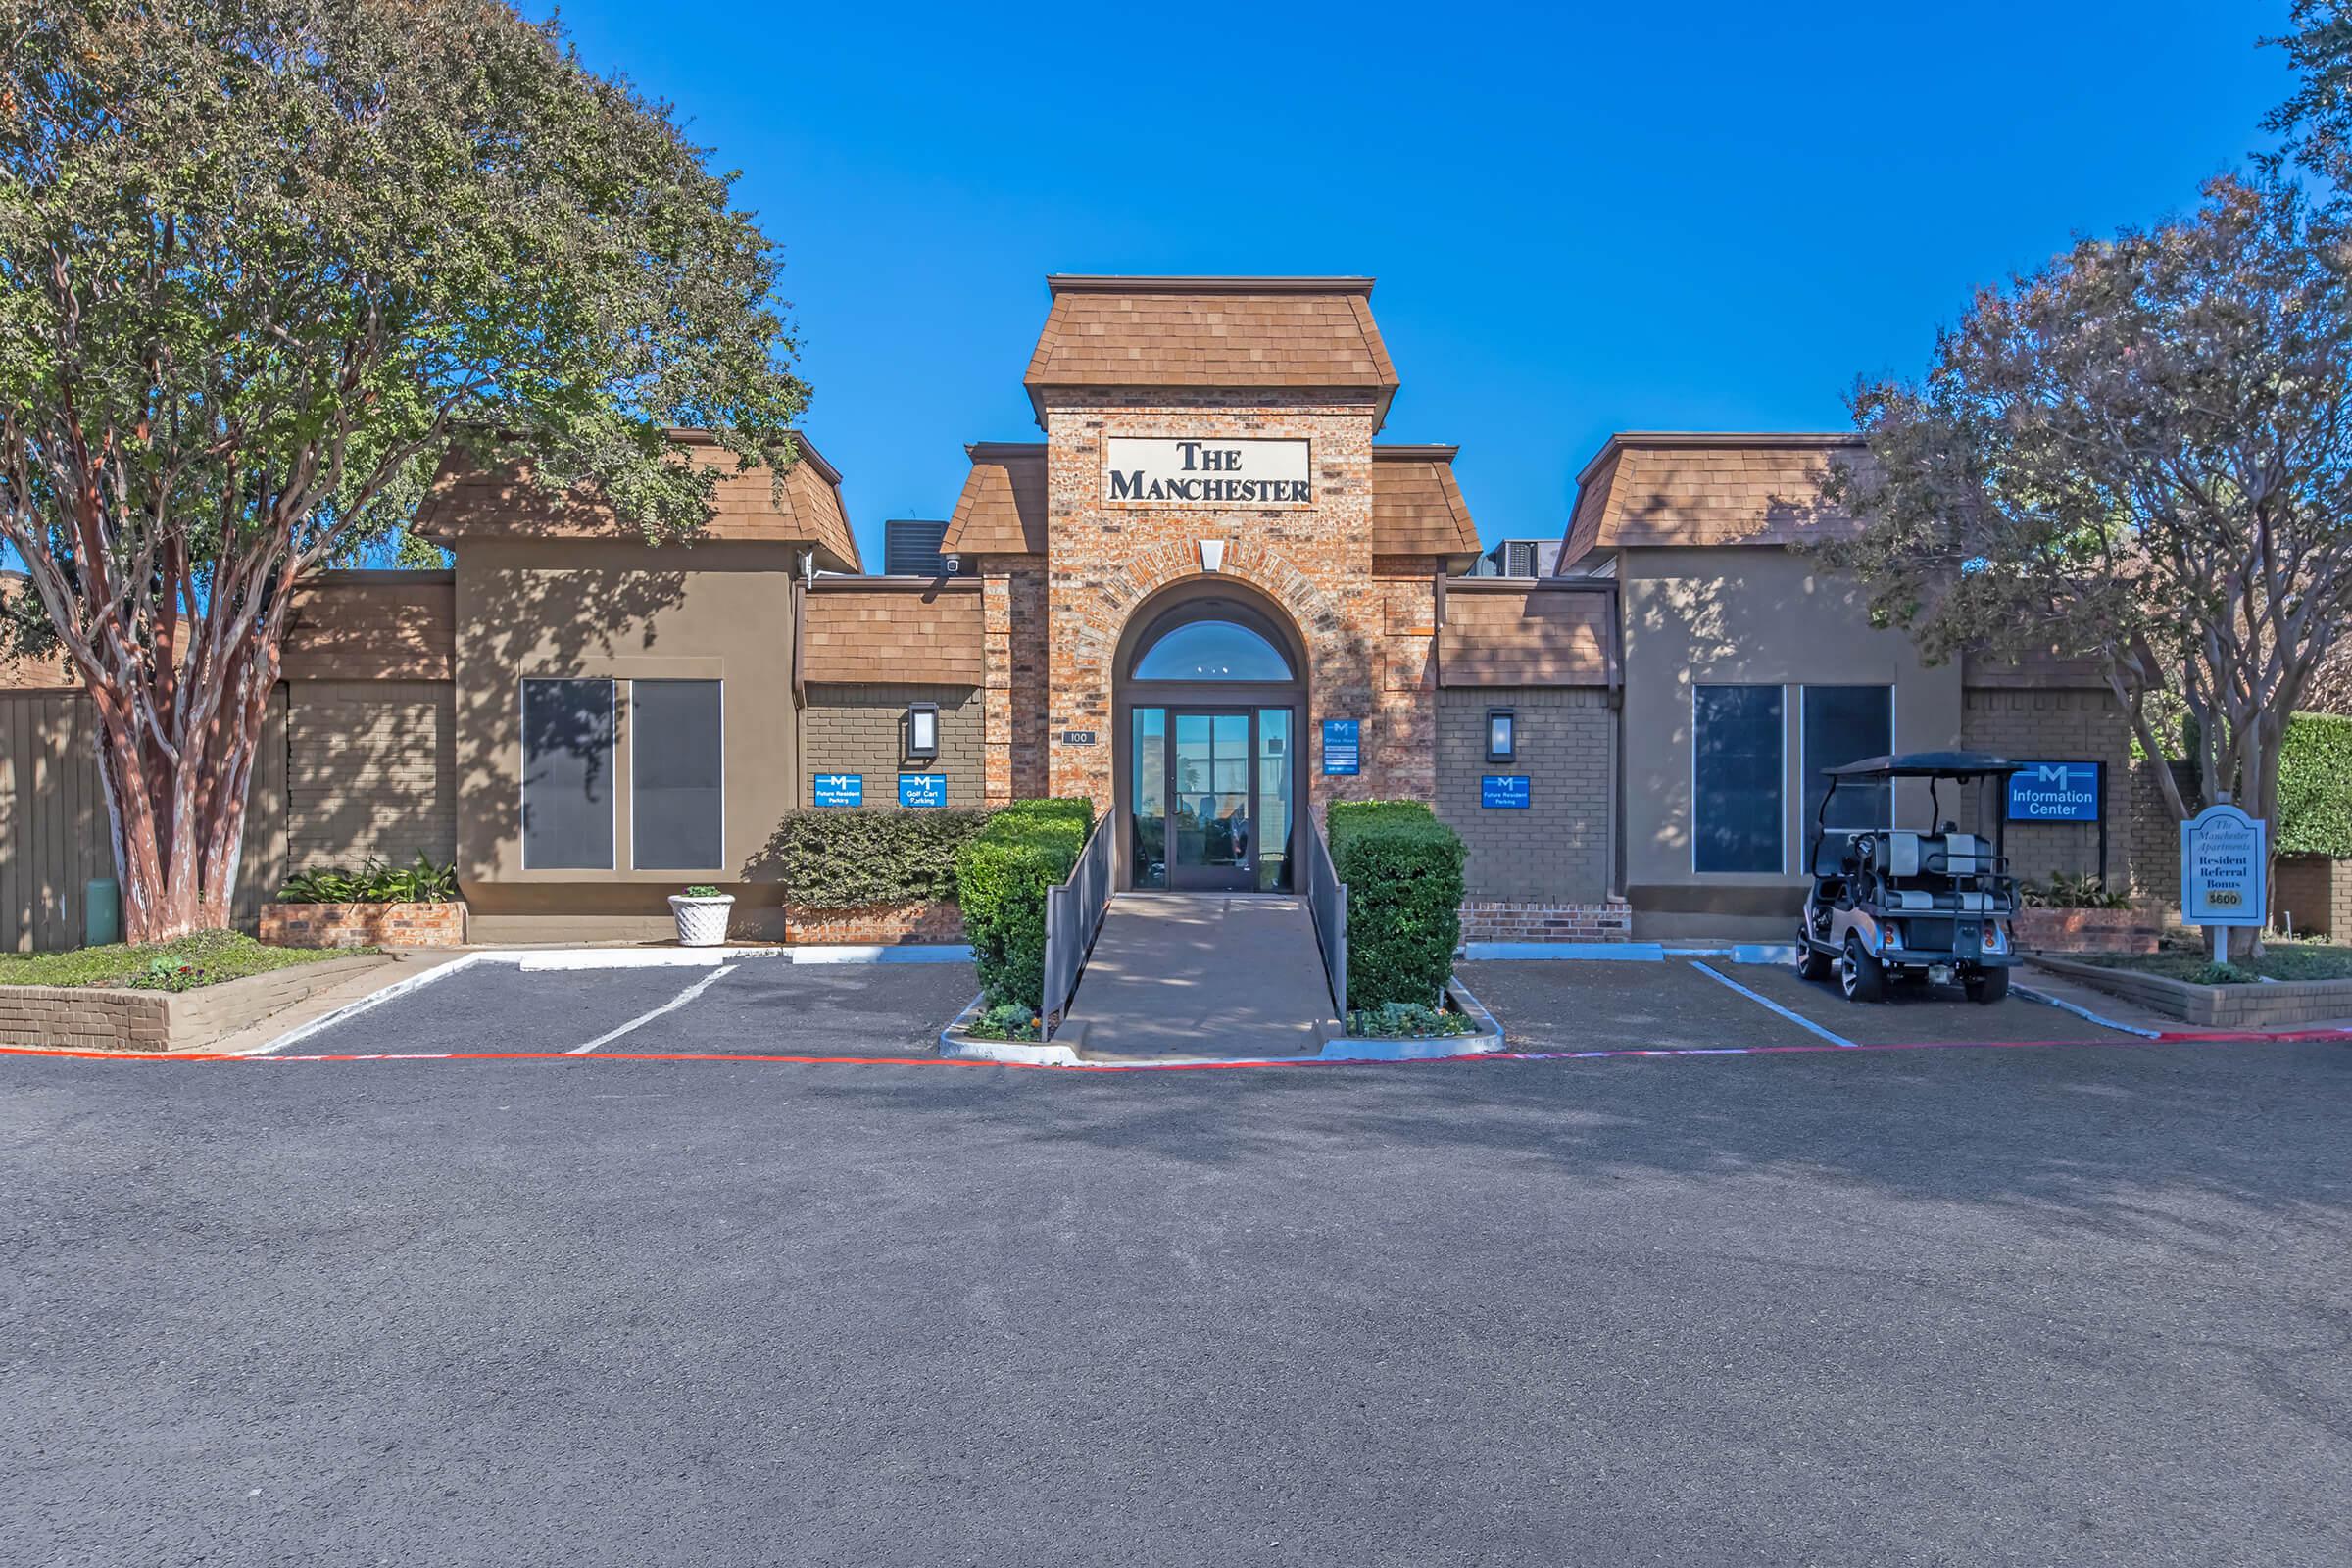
1203 974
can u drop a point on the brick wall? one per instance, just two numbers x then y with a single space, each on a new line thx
1558 851
364 925
863 729
371 769
2078 725
2315 892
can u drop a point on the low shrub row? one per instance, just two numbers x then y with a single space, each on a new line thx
1001 874
377 881
859 859
1403 870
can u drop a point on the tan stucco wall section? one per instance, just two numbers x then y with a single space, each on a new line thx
620 609
1749 616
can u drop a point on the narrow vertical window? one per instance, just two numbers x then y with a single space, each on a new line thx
677 806
1150 760
1735 778
1846 724
567 775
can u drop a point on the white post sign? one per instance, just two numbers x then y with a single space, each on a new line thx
2225 865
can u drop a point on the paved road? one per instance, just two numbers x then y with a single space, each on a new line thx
2080 1306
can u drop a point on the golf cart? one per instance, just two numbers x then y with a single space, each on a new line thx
1890 905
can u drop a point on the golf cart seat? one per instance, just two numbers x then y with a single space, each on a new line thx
1924 872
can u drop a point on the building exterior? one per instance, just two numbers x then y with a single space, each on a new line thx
1209 596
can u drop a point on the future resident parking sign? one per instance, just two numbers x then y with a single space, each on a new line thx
2055 792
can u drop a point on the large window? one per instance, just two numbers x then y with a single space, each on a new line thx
677 810
567 775
1212 650
1846 724
1736 773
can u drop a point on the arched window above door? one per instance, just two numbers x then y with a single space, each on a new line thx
1211 648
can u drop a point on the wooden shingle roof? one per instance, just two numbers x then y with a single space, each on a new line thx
1501 633
1003 507
1292 333
855 629
467 501
1649 488
1417 509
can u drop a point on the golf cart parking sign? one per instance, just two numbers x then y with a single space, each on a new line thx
2224 859
2055 792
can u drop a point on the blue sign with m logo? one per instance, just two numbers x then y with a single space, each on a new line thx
2055 792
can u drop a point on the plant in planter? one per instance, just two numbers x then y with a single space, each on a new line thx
702 913
2065 891
1408 1021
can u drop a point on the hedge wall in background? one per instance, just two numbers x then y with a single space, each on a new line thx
2315 787
1001 874
837 859
1403 870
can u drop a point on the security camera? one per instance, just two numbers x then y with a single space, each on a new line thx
953 563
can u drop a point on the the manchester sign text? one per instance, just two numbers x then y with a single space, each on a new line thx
1178 471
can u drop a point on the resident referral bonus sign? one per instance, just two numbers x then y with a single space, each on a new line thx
1175 471
2224 859
2055 792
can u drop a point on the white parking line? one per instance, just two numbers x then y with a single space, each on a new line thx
671 1006
1752 996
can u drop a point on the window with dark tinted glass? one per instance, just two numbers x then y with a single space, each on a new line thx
677 812
1846 724
1735 778
567 775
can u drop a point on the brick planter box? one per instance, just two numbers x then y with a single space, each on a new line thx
364 925
2088 930
885 924
2250 1007
107 1018
1497 920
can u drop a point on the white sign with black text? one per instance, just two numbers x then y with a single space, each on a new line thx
1184 472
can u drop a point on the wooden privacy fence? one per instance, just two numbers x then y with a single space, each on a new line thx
54 837
1327 901
1073 917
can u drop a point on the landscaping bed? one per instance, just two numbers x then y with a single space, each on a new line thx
2294 983
173 996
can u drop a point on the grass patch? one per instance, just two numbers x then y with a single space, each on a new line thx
2281 961
1408 1021
205 959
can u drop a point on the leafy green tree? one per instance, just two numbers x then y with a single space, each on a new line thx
2141 455
260 262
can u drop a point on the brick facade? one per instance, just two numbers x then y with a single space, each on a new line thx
371 770
861 728
885 924
2064 725
2315 894
1555 853
364 925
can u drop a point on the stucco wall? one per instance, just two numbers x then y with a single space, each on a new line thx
1744 615
716 610
858 728
1557 849
371 769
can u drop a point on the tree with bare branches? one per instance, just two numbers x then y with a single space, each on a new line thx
260 262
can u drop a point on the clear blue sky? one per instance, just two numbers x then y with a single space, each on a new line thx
1702 214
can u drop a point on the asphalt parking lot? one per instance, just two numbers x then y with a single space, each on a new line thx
2080 1306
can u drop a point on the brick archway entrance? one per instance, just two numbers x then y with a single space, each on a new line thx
1209 681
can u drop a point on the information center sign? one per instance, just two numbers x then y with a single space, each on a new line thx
2225 859
2055 792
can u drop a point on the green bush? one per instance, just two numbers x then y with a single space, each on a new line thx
1001 874
2315 787
1403 870
1408 1021
834 859
377 881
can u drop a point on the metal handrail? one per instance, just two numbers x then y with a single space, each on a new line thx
1073 918
1327 901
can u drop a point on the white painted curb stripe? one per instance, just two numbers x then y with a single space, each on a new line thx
671 1006
373 998
1797 1018
877 952
2064 1005
531 962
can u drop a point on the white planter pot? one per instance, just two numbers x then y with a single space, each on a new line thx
701 922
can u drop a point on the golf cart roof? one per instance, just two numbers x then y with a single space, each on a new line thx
1926 764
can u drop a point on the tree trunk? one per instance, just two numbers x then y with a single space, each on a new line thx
177 843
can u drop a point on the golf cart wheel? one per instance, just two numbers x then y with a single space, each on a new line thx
1860 975
1811 963
1987 985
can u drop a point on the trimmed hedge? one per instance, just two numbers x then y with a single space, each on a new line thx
834 859
1001 874
1403 870
2315 787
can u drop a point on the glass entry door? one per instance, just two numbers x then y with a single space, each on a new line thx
1211 798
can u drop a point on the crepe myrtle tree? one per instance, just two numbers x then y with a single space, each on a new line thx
2139 454
262 262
